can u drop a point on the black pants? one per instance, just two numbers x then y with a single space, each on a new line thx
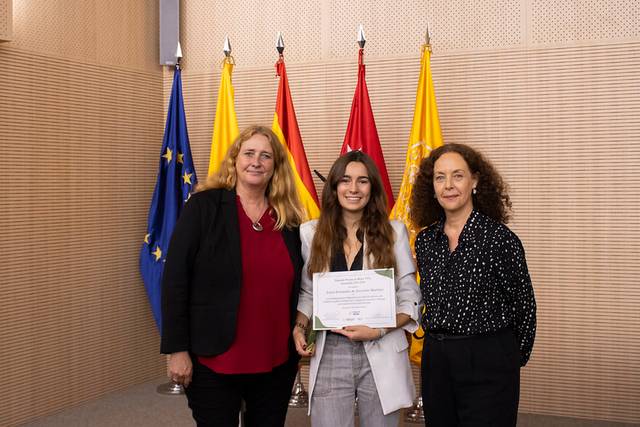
474 381
215 399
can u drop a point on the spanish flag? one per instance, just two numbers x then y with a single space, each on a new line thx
225 125
285 125
425 136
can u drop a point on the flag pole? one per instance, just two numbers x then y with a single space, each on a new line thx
299 397
415 414
172 388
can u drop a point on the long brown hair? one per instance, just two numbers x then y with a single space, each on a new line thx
491 198
281 191
331 232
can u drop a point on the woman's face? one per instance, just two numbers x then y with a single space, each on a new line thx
354 188
453 183
254 164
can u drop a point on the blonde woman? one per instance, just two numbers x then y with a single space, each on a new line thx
231 284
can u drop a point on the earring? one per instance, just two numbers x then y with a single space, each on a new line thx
475 191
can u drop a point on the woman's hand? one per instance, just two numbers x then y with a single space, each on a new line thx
180 368
359 333
300 340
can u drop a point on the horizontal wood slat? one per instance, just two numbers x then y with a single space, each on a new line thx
80 146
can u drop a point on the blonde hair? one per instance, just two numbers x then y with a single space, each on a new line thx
281 191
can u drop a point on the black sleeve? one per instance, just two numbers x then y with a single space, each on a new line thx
176 278
514 274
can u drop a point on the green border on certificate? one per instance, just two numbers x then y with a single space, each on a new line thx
359 297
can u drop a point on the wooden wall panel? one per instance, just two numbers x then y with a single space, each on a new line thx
115 32
80 145
6 20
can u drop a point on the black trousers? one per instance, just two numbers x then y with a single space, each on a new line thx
473 381
215 398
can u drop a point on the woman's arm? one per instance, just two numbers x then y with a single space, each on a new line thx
175 281
305 299
300 334
514 275
175 292
408 296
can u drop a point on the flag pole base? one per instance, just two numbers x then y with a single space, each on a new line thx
299 397
170 389
416 413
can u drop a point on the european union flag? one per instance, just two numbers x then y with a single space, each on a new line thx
176 179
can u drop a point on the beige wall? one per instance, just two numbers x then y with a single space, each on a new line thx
547 89
81 124
6 20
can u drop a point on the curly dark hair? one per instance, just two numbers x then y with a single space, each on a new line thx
491 199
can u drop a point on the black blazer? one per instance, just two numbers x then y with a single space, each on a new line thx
203 275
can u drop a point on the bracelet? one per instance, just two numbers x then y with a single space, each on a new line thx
302 326
383 332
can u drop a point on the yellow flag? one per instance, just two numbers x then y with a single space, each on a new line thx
425 136
225 126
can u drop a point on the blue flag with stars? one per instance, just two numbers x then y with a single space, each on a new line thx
176 179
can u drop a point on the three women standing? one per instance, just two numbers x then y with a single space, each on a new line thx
235 261
480 311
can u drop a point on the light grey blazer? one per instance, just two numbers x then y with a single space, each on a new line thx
388 356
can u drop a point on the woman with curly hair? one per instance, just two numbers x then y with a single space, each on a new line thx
372 364
480 311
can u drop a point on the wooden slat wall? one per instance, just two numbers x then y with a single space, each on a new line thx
562 126
6 20
80 146
550 96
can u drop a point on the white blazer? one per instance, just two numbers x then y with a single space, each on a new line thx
388 356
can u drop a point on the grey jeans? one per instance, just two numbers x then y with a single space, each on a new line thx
344 373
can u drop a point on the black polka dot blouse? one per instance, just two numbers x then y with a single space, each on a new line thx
481 287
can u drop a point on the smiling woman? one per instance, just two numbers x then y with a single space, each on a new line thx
354 188
254 164
354 233
234 262
479 302
453 184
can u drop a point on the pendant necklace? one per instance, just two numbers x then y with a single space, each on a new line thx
256 224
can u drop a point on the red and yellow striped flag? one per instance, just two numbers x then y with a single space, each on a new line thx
285 125
225 125
425 136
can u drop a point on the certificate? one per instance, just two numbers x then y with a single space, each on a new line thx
360 297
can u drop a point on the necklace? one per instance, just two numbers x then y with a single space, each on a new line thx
250 211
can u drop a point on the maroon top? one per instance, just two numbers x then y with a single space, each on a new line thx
263 328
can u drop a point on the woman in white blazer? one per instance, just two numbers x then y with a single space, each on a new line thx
372 364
